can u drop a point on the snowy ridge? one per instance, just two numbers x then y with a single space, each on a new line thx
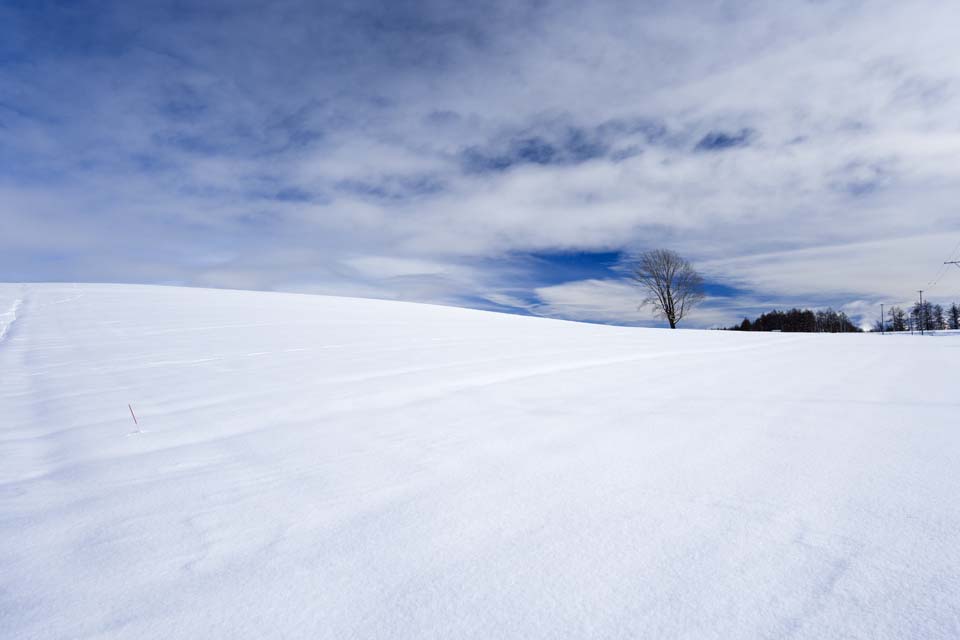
320 467
8 317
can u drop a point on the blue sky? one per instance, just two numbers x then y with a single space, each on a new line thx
502 155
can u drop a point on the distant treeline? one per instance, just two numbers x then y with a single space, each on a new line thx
926 316
800 321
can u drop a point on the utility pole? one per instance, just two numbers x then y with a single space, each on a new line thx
921 312
883 322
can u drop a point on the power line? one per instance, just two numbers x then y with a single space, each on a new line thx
946 266
940 273
950 255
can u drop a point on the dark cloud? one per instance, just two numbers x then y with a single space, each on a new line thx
722 140
557 142
392 188
861 178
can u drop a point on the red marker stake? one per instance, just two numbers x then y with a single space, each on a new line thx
133 415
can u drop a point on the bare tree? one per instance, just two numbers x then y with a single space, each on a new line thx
671 283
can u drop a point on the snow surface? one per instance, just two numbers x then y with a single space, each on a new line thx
317 467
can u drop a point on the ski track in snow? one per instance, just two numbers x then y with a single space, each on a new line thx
313 467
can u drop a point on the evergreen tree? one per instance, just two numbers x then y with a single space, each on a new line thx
800 320
939 322
954 316
898 319
921 316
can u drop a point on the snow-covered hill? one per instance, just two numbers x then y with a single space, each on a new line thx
315 467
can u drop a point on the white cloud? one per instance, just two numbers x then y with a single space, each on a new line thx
891 269
598 300
164 158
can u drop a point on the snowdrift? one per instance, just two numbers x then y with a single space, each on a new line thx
318 467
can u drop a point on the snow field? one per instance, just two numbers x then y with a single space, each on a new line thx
317 467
